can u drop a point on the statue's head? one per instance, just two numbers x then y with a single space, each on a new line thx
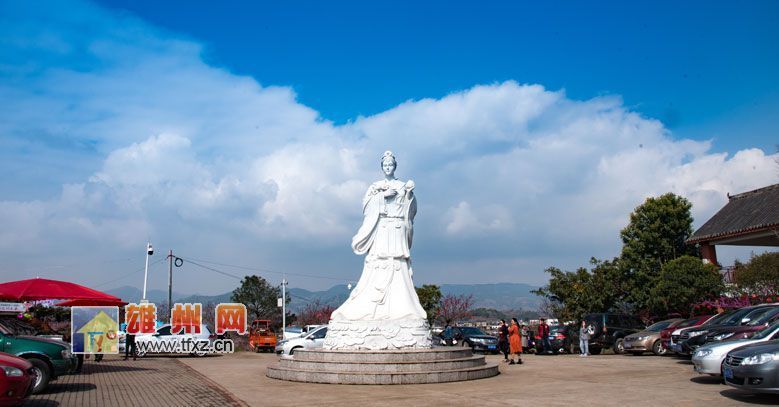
388 163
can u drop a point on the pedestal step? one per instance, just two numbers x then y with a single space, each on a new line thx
383 367
412 366
480 372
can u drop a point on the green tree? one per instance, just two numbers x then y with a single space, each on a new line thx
260 298
760 275
682 282
430 299
655 235
574 294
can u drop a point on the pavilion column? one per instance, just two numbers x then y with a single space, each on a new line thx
709 252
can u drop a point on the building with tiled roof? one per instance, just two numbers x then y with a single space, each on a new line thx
748 219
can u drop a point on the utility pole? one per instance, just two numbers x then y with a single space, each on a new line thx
170 278
149 252
283 307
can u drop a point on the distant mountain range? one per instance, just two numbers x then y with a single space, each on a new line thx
501 296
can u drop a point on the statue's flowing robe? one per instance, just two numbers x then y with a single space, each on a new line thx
385 290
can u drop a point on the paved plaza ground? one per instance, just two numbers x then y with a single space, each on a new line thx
239 379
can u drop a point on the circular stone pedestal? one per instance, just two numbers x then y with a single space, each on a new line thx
412 366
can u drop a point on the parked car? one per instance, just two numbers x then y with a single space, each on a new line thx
697 338
16 379
754 368
665 334
312 340
145 343
648 340
675 345
50 358
751 324
611 329
473 337
708 358
561 337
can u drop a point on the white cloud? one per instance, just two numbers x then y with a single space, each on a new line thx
217 165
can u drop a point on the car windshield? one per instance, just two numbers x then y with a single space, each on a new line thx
469 331
659 326
762 318
765 332
12 326
688 323
725 317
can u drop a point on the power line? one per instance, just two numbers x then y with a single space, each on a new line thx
128 274
211 268
266 270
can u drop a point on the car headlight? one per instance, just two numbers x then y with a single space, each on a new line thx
723 336
66 353
11 371
477 340
696 333
702 353
759 359
642 338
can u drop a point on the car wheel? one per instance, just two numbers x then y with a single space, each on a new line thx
619 346
658 349
139 353
42 375
292 351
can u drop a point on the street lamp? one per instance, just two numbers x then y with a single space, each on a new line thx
149 252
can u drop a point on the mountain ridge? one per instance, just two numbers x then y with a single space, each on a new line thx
500 296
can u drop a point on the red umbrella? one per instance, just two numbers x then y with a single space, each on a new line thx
92 303
36 289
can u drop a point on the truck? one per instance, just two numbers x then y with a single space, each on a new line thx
261 336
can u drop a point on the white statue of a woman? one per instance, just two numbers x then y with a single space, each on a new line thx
383 310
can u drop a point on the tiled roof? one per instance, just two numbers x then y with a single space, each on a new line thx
746 212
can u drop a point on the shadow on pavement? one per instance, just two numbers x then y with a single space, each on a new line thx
97 368
744 397
706 379
684 362
40 403
54 388
178 356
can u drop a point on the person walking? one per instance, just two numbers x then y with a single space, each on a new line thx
543 332
585 333
515 343
129 346
503 339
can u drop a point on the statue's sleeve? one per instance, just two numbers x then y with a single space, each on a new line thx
362 241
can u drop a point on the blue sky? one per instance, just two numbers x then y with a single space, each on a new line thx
246 135
706 69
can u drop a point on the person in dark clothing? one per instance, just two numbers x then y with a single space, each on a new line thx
543 332
503 340
129 346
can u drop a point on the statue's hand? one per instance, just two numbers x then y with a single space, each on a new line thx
390 192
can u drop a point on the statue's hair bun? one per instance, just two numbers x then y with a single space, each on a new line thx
388 156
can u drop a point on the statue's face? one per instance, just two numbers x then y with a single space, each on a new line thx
388 166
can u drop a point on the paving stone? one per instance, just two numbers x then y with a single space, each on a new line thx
149 381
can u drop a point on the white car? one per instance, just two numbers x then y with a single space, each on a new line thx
313 340
708 358
145 342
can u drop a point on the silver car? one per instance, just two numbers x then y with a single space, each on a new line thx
708 358
314 339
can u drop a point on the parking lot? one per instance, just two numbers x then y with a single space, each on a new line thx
604 380
239 379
